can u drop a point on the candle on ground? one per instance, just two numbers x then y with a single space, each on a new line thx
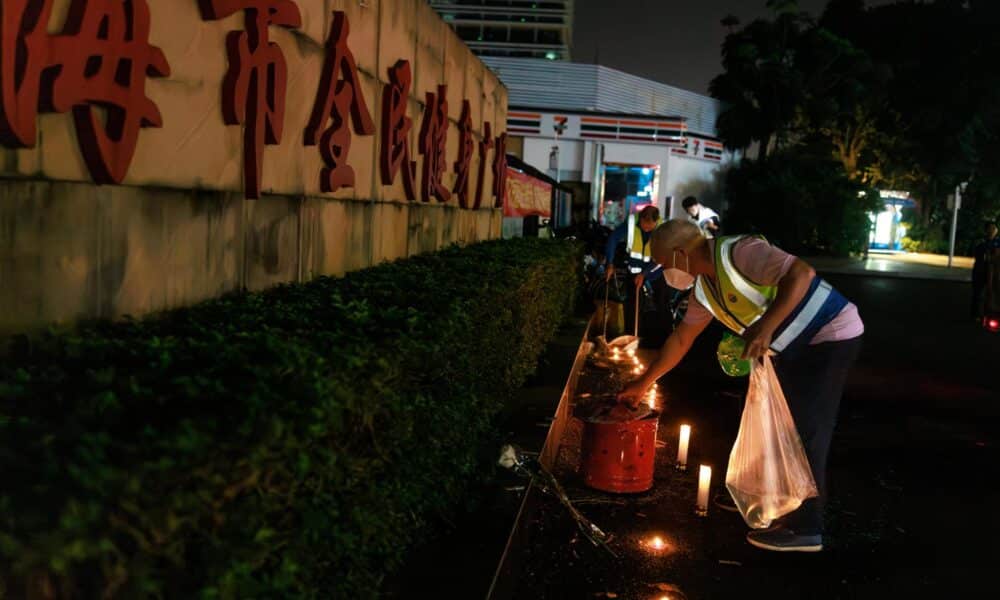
682 447
656 544
704 482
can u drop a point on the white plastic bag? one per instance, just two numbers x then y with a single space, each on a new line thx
769 474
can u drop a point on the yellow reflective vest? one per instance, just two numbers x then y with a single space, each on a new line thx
638 251
733 299
738 302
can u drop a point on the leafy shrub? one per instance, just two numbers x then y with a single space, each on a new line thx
286 444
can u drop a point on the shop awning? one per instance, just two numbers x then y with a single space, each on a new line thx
529 191
527 196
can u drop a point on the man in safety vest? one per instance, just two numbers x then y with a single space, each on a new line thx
645 274
635 232
776 303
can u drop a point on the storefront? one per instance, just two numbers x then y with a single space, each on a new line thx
627 189
621 141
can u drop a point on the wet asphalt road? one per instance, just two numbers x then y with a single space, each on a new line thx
913 475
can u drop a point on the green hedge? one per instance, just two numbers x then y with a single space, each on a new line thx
294 443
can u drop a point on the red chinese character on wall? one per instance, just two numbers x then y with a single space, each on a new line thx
500 171
339 95
396 127
101 59
253 93
484 152
433 141
466 147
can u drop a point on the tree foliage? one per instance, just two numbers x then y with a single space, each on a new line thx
901 96
802 204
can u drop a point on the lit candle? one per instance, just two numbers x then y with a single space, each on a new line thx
704 481
651 400
614 354
637 371
682 447
631 351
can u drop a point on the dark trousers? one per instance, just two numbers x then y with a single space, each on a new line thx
978 287
813 382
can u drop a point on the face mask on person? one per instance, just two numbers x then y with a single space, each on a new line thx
677 278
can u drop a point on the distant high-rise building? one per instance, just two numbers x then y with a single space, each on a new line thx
515 28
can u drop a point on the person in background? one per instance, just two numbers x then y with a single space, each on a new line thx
635 234
702 216
983 254
776 303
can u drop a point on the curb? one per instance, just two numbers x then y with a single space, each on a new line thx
890 275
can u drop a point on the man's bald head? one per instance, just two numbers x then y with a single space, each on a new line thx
675 233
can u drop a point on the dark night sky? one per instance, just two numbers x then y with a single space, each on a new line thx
672 41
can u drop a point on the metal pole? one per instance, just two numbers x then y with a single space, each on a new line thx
557 157
954 223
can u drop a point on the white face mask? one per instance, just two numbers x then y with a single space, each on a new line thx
677 278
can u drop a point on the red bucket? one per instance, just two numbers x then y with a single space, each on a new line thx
619 457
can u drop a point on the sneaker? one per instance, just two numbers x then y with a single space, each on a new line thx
725 502
780 539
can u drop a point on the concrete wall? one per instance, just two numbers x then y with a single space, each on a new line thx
179 230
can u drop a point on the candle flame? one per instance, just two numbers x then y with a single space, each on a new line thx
655 544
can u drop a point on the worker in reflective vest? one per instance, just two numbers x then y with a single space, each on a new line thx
777 304
635 232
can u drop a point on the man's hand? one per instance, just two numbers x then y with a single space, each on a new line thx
758 339
634 392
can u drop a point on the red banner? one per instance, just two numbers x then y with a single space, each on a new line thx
527 196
